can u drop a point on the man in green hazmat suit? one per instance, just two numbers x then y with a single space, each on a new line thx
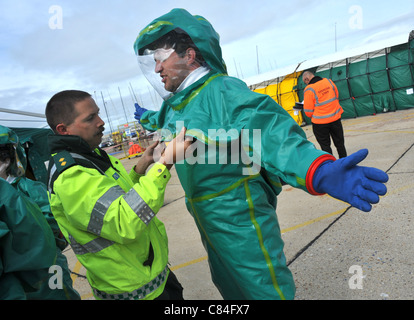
245 143
14 163
26 244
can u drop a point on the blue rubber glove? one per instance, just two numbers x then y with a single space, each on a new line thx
139 111
343 179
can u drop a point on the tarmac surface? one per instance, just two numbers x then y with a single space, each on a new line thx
334 251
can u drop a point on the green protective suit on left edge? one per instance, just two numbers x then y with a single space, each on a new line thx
26 244
36 193
234 203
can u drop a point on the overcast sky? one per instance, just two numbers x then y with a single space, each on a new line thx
49 46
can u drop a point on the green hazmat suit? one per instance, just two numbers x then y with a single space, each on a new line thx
36 193
245 144
26 244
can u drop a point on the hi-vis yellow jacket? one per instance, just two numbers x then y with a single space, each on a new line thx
108 217
321 102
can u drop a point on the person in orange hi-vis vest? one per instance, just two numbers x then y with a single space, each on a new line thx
321 104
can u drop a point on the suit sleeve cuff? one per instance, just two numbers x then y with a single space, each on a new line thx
312 169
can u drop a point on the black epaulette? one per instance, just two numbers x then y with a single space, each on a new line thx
63 160
58 163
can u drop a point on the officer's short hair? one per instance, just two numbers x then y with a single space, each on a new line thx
61 107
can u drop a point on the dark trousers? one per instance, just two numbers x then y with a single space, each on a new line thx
324 132
173 289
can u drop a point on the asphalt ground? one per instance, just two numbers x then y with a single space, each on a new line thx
334 251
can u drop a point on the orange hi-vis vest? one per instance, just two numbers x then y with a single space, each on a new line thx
321 102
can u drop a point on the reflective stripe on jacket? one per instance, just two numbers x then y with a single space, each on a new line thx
109 219
321 102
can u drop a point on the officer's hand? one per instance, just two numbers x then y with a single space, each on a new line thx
146 159
345 180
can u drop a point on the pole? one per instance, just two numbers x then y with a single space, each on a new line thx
132 98
132 89
235 65
24 113
335 38
106 111
122 101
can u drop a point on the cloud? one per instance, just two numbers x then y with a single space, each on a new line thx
94 49
86 44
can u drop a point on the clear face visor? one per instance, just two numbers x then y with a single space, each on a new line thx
148 63
165 76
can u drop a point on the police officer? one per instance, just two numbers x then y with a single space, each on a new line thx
107 215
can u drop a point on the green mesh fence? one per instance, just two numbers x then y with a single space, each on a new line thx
371 83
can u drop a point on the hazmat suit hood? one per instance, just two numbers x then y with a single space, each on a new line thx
197 27
18 160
